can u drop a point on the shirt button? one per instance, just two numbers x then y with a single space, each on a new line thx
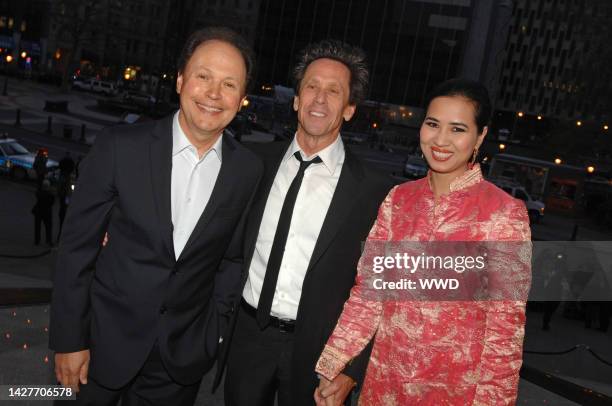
163 310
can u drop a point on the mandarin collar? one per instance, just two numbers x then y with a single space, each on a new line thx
465 180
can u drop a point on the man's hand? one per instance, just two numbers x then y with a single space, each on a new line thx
334 393
319 399
71 368
105 240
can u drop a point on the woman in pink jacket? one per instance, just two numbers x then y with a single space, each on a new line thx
430 352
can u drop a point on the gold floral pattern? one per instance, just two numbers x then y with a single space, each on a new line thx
440 353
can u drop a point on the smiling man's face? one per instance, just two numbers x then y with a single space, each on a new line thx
211 89
323 100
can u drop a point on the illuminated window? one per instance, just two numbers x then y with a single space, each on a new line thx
24 26
10 23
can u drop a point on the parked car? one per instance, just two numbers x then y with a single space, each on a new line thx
16 160
81 84
100 86
94 85
535 208
415 167
140 99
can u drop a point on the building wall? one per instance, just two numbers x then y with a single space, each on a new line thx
240 15
412 45
548 47
22 24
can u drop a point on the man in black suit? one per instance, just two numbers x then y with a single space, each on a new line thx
144 326
314 208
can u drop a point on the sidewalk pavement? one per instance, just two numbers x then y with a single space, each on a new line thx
26 96
557 227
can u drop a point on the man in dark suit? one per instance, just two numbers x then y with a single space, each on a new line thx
315 206
144 326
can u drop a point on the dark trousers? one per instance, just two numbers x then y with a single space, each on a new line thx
549 310
151 387
259 365
62 215
48 222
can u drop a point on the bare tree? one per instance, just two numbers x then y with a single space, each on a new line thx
76 22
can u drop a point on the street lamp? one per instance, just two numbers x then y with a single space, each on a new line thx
539 117
590 169
578 123
24 54
558 161
245 102
605 127
9 58
502 147
520 114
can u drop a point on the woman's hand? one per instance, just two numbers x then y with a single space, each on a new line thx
333 393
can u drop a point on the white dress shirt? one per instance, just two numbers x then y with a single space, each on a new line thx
310 209
193 179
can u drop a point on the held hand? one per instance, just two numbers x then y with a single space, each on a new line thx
71 368
105 240
334 393
319 399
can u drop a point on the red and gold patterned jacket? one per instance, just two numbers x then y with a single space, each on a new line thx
440 352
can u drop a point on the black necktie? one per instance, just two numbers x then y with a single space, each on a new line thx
278 246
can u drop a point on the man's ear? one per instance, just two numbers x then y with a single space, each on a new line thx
296 102
179 83
242 102
348 112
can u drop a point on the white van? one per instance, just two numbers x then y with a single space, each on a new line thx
94 85
100 86
535 208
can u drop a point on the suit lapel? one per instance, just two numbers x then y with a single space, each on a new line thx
222 188
345 196
160 154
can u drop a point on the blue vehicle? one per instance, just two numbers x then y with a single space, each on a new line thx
16 160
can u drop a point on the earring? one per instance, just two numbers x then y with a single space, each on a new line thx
473 160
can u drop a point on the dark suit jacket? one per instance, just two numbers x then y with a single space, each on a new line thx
333 265
138 293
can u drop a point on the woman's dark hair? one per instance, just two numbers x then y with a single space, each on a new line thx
473 91
224 34
352 57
